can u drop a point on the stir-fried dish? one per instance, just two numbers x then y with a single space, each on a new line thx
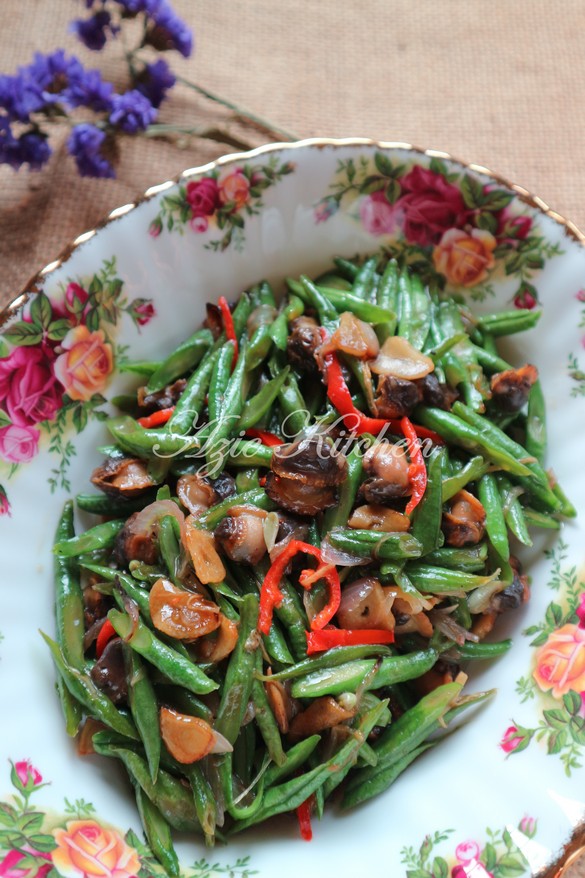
309 512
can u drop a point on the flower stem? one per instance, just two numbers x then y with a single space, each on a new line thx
258 122
209 133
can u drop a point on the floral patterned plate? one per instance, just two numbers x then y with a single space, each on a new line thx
502 795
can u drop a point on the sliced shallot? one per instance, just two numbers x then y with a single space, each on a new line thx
399 358
189 738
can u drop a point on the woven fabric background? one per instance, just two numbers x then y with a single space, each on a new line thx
500 84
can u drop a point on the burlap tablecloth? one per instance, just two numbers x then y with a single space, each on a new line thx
498 83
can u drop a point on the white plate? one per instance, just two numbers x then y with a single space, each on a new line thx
489 794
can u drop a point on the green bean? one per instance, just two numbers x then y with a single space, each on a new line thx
488 343
227 418
365 282
411 729
275 641
169 546
438 351
191 401
239 675
256 497
183 359
184 701
241 313
492 362
435 580
248 479
429 715
295 758
69 611
495 523
415 311
276 645
367 311
342 763
169 661
219 380
462 614
259 405
168 794
536 439
71 708
469 558
508 322
293 408
387 298
537 481
426 521
140 367
350 676
204 801
381 781
84 690
289 795
513 510
533 518
266 294
290 613
306 290
151 443
138 594
279 329
259 347
102 504
158 833
475 387
248 453
244 754
374 544
330 302
226 774
565 506
128 403
473 469
369 700
458 432
101 536
471 650
347 268
265 720
332 658
397 574
338 515
144 709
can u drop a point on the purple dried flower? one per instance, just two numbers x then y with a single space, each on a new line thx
155 81
93 31
134 6
86 144
132 112
31 148
20 95
53 79
91 91
170 31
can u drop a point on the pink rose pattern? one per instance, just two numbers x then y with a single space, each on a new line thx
59 359
36 844
219 203
556 681
499 856
457 229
